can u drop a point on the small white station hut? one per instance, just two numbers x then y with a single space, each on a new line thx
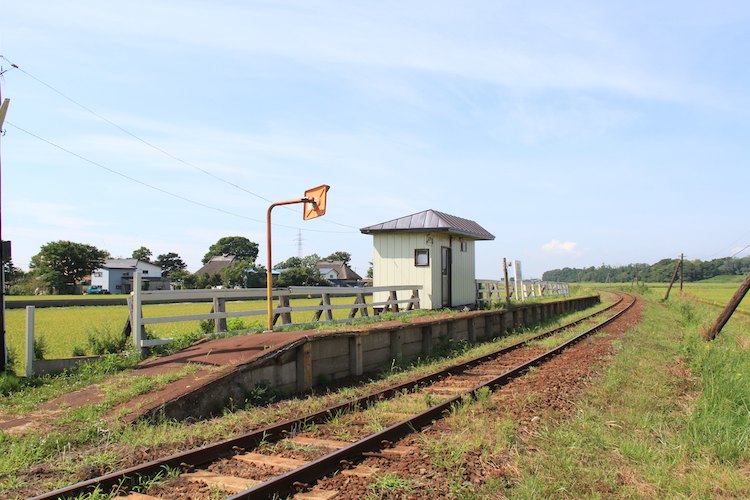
432 249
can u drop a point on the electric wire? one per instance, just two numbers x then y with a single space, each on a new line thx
730 245
150 144
156 188
737 253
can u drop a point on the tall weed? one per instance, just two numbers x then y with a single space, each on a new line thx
720 422
102 340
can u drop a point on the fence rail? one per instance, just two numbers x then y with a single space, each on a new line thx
489 291
282 312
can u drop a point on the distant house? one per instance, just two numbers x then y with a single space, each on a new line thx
216 265
116 276
432 249
337 272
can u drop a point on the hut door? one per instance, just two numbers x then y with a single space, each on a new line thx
445 272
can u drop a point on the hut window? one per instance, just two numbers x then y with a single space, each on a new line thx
464 246
422 257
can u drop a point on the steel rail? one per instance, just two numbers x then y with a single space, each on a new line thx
287 483
275 432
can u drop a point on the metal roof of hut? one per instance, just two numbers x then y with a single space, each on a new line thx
432 221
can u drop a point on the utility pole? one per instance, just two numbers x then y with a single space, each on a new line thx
507 285
728 310
674 277
682 261
3 348
299 243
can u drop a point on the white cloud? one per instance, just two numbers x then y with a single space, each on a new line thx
560 247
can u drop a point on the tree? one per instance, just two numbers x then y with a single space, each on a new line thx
342 256
13 275
300 276
60 264
307 262
143 254
171 264
290 263
244 274
369 271
238 246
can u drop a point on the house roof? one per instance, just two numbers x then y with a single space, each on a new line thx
120 263
216 264
344 272
430 221
125 264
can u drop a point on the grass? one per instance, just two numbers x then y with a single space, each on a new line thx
66 330
388 484
82 441
681 431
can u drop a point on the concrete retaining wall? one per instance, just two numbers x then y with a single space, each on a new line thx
320 359
51 366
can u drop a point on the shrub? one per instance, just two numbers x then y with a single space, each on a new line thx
9 383
234 324
40 347
104 341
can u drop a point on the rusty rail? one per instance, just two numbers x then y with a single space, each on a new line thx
323 466
250 440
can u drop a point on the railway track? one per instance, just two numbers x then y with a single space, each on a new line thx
289 457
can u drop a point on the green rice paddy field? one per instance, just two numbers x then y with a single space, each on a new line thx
63 328
715 293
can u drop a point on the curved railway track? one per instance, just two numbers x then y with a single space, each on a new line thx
302 450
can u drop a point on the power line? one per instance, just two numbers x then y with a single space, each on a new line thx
156 188
730 245
150 144
737 253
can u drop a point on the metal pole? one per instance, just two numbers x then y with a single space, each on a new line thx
269 261
269 275
3 347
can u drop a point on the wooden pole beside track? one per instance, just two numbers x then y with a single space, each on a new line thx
674 277
682 262
729 309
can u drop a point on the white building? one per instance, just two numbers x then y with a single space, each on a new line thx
116 276
432 249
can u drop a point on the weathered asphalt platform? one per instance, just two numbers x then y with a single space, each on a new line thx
225 371
294 362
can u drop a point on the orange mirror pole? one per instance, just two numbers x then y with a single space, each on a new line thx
315 206
269 275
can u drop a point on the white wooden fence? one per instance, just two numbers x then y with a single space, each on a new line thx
489 291
282 311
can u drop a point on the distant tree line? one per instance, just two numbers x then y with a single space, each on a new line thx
693 270
61 265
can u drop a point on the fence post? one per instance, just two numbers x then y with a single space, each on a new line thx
286 318
135 323
507 284
415 295
220 325
360 304
327 305
29 341
393 297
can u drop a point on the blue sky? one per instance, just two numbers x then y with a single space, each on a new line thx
578 133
